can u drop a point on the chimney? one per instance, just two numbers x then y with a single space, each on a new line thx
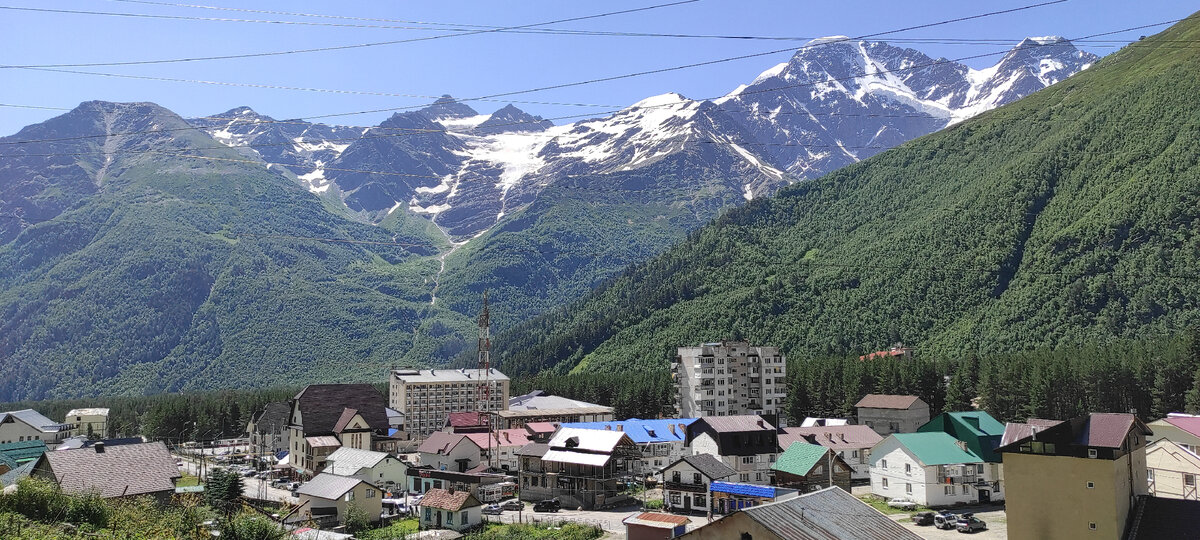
607 427
99 447
672 426
829 436
760 422
506 439
1033 430
620 427
842 436
962 445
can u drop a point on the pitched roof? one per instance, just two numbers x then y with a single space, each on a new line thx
849 437
15 475
737 423
977 422
584 446
447 500
887 401
441 442
708 465
35 420
828 513
465 419
323 441
322 405
1190 424
654 519
1159 517
936 448
643 431
542 427
23 451
539 400
750 490
1107 430
328 486
347 461
1014 431
344 420
131 469
799 458
978 429
272 417
533 449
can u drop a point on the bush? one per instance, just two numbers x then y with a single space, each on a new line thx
357 519
248 525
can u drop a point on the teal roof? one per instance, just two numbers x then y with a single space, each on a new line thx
23 451
936 448
799 458
978 429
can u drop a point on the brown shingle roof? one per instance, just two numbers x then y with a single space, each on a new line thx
131 469
1107 430
446 500
887 401
835 437
1014 431
321 405
344 420
733 424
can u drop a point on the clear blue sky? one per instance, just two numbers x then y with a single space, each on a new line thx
476 65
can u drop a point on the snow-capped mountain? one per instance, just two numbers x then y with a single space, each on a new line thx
836 101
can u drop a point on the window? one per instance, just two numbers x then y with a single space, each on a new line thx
1092 453
1189 480
907 468
698 501
1092 525
449 518
883 483
757 477
428 514
883 463
370 494
908 488
744 477
819 469
1149 475
675 477
463 517
894 427
1091 485
349 496
949 490
854 453
675 500
696 478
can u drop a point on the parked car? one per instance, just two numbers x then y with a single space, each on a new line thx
903 503
945 520
548 505
513 504
970 524
493 510
923 518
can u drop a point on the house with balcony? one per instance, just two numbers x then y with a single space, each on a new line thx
325 417
809 467
982 435
748 444
686 481
660 441
852 443
584 468
933 469
1171 471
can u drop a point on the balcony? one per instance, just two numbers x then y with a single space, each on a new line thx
682 486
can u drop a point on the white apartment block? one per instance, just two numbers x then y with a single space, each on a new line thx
427 397
730 378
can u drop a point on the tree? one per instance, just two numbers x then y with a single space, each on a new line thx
223 492
357 519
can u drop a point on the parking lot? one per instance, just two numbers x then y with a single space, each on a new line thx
997 524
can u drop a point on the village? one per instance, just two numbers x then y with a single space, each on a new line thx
452 450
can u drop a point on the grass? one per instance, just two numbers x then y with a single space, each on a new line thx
526 531
188 480
398 529
879 503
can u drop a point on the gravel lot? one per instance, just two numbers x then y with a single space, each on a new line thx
994 516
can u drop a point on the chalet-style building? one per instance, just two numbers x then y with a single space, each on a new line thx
852 443
1078 478
887 414
748 444
327 497
686 482
982 435
809 467
582 467
660 441
325 417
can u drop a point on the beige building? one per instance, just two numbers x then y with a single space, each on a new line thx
1171 470
427 397
326 417
730 378
888 414
1077 478
1178 428
328 496
90 422
30 425
828 513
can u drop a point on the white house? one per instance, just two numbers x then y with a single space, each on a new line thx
447 451
449 509
933 469
379 468
30 425
329 496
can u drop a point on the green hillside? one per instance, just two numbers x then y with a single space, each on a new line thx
178 273
1069 217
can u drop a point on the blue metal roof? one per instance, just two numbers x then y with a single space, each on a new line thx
642 431
751 490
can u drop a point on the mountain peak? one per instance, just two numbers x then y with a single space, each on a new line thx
511 118
661 100
448 107
1043 40
826 40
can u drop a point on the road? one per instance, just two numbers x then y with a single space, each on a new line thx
993 515
252 488
608 520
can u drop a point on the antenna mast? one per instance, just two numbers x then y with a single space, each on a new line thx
484 390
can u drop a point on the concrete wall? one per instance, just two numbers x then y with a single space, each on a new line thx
369 498
880 419
1048 496
731 528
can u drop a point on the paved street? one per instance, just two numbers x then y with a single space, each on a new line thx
251 487
609 520
995 517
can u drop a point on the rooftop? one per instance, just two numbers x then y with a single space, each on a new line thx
849 437
328 486
34 419
91 411
887 401
538 399
126 470
708 465
448 500
322 405
936 448
828 513
23 451
799 458
654 519
412 376
1158 517
347 461
1190 424
737 423
274 416
1014 431
750 490
642 431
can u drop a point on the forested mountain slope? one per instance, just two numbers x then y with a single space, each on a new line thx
1071 216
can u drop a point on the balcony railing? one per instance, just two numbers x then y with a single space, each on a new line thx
683 486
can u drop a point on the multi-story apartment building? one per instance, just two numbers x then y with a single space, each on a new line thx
730 378
427 397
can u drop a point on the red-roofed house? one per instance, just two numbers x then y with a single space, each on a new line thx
654 526
887 414
1180 429
449 509
895 351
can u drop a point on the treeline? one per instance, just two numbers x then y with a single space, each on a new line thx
649 394
829 387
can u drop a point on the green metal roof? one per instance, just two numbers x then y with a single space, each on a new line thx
936 448
23 451
799 458
978 429
978 422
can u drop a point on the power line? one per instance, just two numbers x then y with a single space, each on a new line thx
331 48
